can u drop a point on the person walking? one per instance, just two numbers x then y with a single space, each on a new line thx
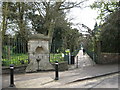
83 51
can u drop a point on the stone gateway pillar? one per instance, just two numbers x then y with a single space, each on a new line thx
38 51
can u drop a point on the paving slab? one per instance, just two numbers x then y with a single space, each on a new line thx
33 83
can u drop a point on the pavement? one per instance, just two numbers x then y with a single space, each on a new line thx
86 69
109 81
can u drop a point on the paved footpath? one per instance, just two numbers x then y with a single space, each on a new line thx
83 60
86 69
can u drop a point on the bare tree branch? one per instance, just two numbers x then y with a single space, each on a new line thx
107 8
71 5
39 10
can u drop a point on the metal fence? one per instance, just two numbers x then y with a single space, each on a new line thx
92 55
57 52
14 51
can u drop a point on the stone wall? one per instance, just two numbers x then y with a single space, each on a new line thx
21 69
17 69
62 66
109 58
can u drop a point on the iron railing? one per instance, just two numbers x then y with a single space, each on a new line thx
14 51
92 55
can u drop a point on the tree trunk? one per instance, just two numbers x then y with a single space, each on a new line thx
20 20
4 22
50 34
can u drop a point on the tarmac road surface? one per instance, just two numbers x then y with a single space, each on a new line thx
110 81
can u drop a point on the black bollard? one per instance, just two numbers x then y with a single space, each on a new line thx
12 75
56 71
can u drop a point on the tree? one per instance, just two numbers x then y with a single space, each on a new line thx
14 18
109 34
64 36
5 15
104 8
49 13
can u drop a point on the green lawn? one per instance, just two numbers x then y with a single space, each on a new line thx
56 57
18 59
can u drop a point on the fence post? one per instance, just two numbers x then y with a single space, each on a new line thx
12 75
56 71
77 62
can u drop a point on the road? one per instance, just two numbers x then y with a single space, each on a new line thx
110 81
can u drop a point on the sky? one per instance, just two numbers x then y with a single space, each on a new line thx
86 16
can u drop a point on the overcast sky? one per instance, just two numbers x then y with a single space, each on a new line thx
86 16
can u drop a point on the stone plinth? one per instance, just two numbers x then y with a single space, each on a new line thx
38 50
